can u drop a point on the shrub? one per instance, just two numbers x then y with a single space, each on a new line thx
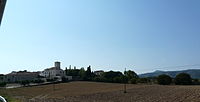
164 79
133 81
25 82
195 82
183 79
3 84
143 80
64 79
38 81
118 79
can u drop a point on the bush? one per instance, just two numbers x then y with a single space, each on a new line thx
143 80
38 81
64 79
195 82
183 79
133 81
3 84
164 79
118 79
25 82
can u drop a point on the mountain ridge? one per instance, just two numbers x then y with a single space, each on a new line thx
194 73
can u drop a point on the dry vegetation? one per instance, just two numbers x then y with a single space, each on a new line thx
106 92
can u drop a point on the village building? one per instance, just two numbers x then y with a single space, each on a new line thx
21 76
55 72
98 72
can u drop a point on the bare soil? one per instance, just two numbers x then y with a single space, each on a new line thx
105 92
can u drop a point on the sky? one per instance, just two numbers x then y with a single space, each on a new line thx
139 35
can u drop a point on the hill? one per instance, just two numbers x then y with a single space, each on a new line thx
195 73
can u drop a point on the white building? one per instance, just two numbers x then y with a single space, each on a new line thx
99 72
54 72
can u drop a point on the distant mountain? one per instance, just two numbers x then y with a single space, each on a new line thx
195 73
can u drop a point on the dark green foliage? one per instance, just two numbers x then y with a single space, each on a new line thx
3 84
164 79
119 79
38 81
143 80
195 82
50 80
133 81
82 74
109 76
64 79
183 79
88 73
25 82
130 74
72 72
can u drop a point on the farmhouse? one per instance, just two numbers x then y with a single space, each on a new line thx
54 72
98 72
21 76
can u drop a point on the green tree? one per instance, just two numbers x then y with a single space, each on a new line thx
143 80
164 79
25 82
183 79
130 74
109 76
82 74
133 81
88 73
3 84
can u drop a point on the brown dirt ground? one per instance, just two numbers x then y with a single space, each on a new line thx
107 92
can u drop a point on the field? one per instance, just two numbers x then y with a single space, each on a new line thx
104 92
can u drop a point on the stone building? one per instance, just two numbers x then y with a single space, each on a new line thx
21 76
54 72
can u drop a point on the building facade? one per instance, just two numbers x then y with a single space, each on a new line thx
21 76
55 72
99 72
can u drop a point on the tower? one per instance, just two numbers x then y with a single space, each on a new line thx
57 64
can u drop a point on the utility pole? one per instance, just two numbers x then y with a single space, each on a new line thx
2 7
125 81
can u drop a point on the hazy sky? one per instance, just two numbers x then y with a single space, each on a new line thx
141 35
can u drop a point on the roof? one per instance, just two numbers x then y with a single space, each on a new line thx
2 7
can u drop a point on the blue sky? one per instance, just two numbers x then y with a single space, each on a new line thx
140 35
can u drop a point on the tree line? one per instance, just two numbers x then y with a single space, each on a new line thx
129 77
118 77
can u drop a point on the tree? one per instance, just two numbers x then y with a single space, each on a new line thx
3 84
25 82
164 79
183 79
143 80
130 74
118 79
64 79
133 81
109 76
88 73
82 74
